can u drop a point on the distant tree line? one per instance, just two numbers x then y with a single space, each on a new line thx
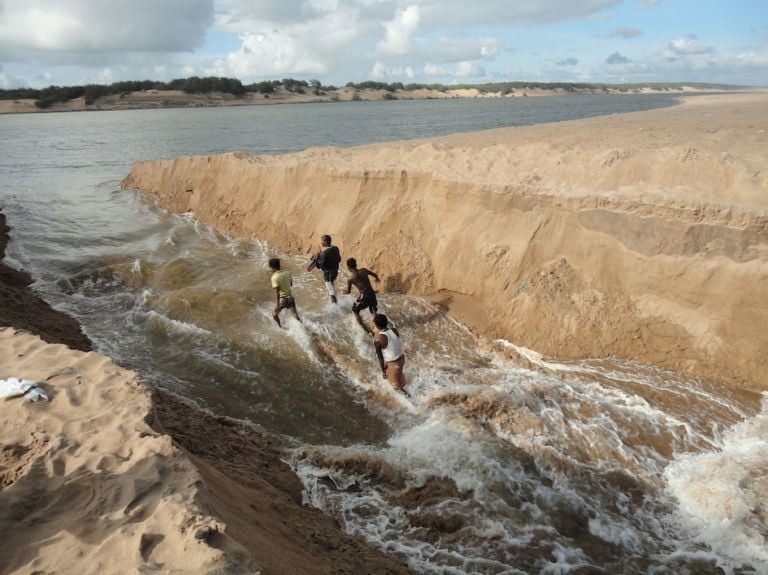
46 97
291 85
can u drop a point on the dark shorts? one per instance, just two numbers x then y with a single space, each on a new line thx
287 303
330 275
367 300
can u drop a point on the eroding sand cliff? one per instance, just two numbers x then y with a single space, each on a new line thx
642 236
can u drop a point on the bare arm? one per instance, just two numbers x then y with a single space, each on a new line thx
377 345
375 276
277 298
349 286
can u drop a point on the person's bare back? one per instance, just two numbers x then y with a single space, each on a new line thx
367 299
359 279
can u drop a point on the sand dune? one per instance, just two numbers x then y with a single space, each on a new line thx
642 235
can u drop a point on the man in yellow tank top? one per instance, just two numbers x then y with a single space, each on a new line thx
281 283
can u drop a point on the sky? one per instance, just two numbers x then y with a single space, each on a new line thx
72 42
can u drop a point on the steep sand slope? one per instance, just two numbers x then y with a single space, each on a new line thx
642 235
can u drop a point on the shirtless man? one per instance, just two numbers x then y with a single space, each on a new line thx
367 298
389 350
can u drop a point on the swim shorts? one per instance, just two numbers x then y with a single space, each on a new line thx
287 303
367 300
330 275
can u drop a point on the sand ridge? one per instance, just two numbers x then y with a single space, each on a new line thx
641 235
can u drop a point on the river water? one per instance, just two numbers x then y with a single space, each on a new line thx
502 461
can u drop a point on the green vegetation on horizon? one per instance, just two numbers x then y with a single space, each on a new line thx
46 97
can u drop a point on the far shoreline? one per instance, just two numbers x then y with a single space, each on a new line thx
175 99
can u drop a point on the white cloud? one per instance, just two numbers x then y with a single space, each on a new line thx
461 70
686 59
44 26
567 62
106 76
457 49
432 13
435 71
400 31
688 46
310 46
518 13
384 73
269 53
469 70
648 3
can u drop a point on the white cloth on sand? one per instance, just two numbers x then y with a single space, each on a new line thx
14 386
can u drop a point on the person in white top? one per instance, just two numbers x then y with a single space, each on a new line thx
389 350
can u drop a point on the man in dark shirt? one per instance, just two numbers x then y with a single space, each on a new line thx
328 260
367 298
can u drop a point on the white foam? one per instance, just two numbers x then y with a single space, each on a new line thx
177 326
723 493
298 333
538 360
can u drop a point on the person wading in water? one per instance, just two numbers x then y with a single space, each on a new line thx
389 350
367 298
282 282
328 260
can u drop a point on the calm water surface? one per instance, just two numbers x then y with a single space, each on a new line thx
557 468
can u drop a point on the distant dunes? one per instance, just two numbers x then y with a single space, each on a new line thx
215 91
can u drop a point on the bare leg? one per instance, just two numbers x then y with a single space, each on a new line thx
395 375
331 289
296 314
362 323
276 317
